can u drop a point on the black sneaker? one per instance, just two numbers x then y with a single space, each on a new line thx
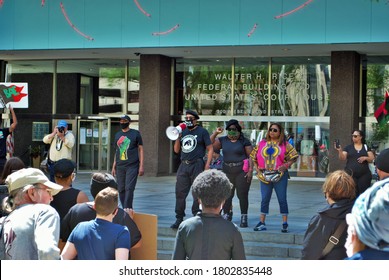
176 223
260 227
243 221
284 227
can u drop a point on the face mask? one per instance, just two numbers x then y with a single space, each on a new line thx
189 124
234 135
124 125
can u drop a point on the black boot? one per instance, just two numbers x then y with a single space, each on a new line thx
177 223
243 221
229 216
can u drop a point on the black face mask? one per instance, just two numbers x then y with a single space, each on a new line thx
189 124
124 125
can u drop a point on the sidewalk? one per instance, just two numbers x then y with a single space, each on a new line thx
156 195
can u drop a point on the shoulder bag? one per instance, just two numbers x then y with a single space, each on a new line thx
334 239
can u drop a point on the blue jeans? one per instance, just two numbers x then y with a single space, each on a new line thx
280 189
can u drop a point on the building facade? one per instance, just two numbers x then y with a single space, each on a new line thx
318 67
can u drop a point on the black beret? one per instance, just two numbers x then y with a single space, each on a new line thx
234 122
193 113
382 161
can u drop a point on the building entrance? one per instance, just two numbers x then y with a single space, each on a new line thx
93 144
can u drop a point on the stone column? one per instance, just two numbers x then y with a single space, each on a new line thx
344 101
154 112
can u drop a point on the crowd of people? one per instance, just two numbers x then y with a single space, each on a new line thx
47 217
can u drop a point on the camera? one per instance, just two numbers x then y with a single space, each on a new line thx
61 129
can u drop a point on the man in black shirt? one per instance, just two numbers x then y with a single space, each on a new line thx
192 143
84 211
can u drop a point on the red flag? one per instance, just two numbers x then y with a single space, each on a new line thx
382 111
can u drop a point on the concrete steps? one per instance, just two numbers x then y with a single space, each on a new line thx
266 245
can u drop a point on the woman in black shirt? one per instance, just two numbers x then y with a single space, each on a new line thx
236 148
357 156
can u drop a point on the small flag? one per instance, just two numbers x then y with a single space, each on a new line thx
381 114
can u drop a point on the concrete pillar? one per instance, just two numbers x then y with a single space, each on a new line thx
344 101
154 112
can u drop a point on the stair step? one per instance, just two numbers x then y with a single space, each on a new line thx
271 236
252 248
167 255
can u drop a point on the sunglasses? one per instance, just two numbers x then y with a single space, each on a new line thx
189 119
232 129
355 136
273 129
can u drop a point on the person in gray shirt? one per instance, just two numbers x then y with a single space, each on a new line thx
31 229
208 236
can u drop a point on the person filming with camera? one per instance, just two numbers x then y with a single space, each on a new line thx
61 142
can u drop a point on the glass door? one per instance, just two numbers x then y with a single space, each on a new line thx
93 144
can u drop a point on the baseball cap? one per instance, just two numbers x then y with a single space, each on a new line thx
125 117
64 168
30 176
62 123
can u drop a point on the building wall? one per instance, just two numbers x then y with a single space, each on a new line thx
85 24
40 107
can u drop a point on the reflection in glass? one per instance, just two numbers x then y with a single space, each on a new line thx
207 86
300 89
251 87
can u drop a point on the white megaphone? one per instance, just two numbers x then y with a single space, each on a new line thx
172 132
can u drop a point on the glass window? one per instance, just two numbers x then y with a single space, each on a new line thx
300 87
206 85
285 90
39 77
133 87
112 86
377 133
251 86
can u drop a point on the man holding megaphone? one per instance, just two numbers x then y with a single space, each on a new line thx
192 141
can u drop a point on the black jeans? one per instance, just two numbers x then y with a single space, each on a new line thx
186 174
236 175
127 176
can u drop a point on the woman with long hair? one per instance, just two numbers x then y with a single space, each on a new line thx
236 148
272 158
357 156
11 165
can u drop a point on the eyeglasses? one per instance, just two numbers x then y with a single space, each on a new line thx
273 129
232 129
355 136
189 119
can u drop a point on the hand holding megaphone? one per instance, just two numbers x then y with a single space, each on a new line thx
174 132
